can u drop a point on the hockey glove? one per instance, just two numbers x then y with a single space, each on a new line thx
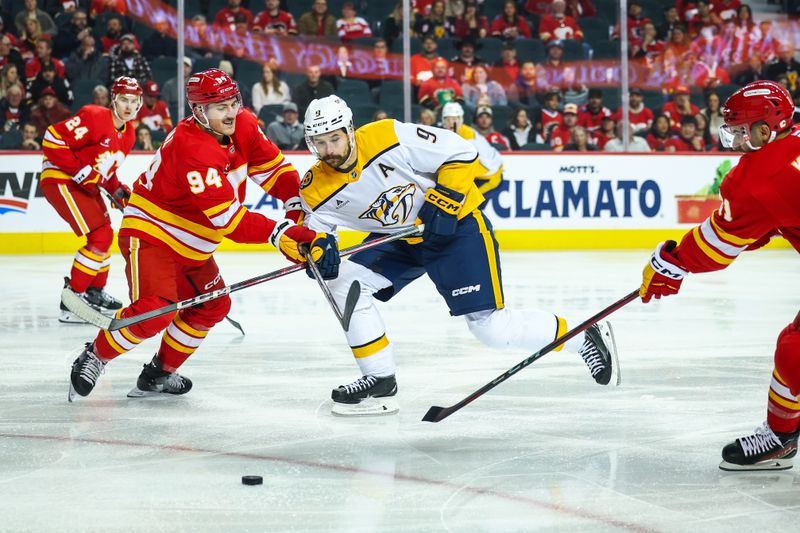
120 192
663 274
83 174
439 213
292 240
325 252
294 209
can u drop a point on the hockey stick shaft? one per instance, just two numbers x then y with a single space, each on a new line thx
321 282
114 202
118 323
353 293
436 414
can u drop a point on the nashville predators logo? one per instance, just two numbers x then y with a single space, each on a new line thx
392 206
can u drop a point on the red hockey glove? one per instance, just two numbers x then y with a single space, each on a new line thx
122 195
663 274
292 240
120 192
294 209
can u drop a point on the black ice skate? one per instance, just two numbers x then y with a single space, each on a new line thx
97 299
154 380
86 369
763 450
368 395
599 352
102 301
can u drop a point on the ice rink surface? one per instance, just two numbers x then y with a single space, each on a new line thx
548 450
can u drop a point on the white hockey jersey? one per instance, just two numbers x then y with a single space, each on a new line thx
397 163
487 155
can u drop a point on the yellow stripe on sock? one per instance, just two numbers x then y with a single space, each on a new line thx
371 348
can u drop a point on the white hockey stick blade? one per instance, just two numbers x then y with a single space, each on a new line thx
367 407
82 310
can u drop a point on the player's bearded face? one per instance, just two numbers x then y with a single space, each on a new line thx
333 148
222 116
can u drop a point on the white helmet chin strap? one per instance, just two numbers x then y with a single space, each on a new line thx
772 136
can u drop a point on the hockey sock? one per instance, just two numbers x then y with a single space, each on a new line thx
90 260
111 344
101 278
783 412
525 329
179 341
376 357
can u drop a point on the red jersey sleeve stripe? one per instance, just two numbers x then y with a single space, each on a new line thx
707 250
712 238
733 239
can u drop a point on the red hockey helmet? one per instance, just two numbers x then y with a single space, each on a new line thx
209 86
759 101
126 85
130 86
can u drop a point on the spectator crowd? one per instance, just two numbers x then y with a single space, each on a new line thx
513 65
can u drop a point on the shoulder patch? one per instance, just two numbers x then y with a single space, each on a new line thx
306 181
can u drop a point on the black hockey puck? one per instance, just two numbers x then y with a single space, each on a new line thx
252 480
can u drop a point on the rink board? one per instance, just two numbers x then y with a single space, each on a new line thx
546 201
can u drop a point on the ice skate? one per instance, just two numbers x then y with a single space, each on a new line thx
599 352
368 395
68 317
102 301
86 370
763 450
154 380
97 299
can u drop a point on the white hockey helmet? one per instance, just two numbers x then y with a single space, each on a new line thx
325 115
453 110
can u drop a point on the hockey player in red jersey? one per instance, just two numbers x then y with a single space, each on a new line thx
182 207
759 200
82 155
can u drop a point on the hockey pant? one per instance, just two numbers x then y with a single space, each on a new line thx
86 214
783 411
526 329
156 279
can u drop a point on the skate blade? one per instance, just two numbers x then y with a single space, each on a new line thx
771 464
72 393
367 407
136 392
616 375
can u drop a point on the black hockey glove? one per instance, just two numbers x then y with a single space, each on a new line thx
325 251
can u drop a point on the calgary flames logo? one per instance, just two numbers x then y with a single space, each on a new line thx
392 206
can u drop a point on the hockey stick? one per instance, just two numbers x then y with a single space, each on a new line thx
437 414
74 303
232 322
353 293
114 202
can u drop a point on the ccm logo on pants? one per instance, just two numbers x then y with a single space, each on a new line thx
466 290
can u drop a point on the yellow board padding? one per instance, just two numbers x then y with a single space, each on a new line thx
521 240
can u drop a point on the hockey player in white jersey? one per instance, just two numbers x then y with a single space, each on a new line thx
489 157
384 178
